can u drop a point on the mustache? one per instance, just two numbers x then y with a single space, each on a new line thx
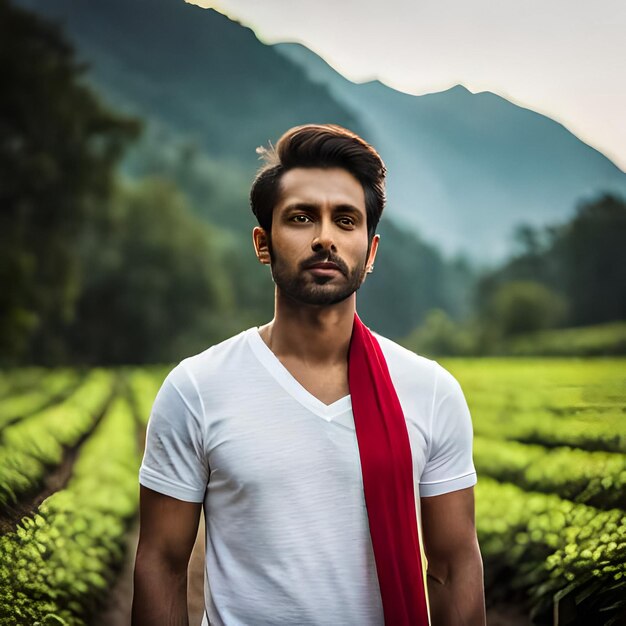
326 258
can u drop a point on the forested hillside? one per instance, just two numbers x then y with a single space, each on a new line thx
126 180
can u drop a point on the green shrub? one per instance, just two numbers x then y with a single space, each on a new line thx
60 563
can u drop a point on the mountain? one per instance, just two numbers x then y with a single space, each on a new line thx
465 168
194 70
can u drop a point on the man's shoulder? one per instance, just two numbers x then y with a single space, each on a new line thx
230 352
416 370
400 355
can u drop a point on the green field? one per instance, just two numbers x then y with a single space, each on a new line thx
549 448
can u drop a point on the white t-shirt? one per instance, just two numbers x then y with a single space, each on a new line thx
278 471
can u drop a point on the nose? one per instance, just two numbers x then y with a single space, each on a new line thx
323 239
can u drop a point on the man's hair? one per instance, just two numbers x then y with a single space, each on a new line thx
319 145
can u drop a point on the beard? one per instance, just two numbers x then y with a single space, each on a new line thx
307 288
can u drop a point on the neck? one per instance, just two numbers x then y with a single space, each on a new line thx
315 335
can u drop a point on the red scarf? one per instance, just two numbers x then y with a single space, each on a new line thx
387 468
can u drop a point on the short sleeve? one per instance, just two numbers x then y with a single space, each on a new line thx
174 462
450 465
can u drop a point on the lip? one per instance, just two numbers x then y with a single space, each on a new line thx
324 269
324 265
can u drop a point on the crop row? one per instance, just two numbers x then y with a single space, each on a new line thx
603 339
47 390
551 402
19 379
547 430
30 446
503 408
59 564
561 386
144 384
595 478
554 548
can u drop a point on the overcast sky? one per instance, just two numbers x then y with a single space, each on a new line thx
563 58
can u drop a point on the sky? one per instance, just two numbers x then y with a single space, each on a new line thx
563 58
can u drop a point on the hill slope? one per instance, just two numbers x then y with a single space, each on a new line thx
465 168
195 70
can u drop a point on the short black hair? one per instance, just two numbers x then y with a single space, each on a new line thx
319 145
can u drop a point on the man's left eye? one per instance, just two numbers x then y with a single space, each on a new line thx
346 221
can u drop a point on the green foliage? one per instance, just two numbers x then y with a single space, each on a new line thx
523 306
555 535
59 564
584 260
593 256
573 274
551 545
58 148
600 340
539 536
144 384
216 188
30 446
159 274
552 402
439 335
410 279
16 381
603 430
217 191
50 387
596 478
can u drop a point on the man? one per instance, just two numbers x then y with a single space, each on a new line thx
262 430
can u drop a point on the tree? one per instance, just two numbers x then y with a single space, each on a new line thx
439 335
525 306
58 149
155 290
583 260
591 251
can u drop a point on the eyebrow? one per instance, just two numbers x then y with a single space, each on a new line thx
307 206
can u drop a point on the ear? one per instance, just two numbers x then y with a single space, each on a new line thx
373 250
259 239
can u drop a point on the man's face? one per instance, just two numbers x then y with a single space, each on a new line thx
319 240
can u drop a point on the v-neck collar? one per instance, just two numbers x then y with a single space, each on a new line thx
282 375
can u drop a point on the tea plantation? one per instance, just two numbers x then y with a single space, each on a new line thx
549 449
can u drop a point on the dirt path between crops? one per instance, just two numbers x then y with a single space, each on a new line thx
118 607
54 480
28 505
117 611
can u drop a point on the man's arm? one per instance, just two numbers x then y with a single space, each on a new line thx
455 567
168 529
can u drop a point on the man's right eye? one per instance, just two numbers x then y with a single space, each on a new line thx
300 219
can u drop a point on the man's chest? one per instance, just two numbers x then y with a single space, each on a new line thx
273 448
327 384
282 455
